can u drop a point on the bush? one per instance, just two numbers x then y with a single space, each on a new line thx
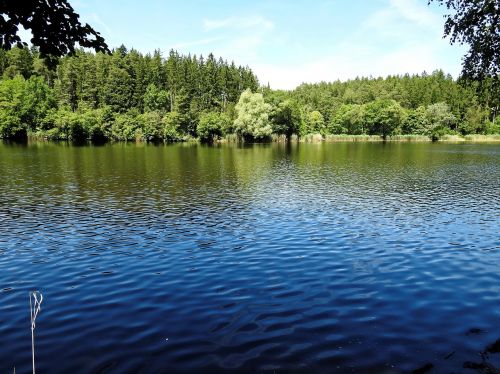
475 121
70 125
493 127
12 98
285 118
10 126
170 124
155 99
126 127
415 122
212 126
152 126
440 120
383 117
348 119
24 105
252 116
315 123
38 101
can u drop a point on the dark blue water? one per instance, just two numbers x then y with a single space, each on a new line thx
310 258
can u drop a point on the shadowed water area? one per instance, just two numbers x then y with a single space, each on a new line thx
348 257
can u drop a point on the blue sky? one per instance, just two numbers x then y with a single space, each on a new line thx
286 42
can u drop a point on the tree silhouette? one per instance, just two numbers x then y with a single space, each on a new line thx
476 23
55 27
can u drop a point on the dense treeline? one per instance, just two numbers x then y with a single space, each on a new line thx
127 96
123 96
427 104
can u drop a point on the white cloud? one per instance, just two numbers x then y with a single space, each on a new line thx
240 37
404 20
243 48
404 37
196 43
351 63
417 12
258 22
96 20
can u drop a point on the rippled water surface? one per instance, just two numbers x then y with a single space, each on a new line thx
267 258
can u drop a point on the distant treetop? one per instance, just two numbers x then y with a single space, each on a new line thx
55 27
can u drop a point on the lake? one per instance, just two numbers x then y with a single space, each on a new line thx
341 257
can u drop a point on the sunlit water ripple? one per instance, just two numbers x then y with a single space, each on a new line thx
267 258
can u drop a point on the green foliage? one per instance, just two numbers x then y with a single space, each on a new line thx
108 92
285 118
415 122
186 120
24 104
152 125
348 119
383 117
10 125
252 119
38 101
476 24
88 124
20 62
155 99
409 91
128 96
315 123
99 123
474 122
68 126
118 88
171 123
12 99
127 126
212 125
440 120
39 17
492 127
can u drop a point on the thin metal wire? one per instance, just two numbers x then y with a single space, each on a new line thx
34 310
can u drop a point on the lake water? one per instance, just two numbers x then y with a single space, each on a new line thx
345 257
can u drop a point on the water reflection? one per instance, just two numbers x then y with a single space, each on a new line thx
271 258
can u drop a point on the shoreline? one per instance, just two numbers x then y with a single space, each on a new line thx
494 138
317 138
311 138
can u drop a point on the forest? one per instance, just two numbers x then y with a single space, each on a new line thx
129 96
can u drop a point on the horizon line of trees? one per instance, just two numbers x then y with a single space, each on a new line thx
128 96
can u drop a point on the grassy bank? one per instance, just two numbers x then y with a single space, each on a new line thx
376 138
493 138
310 138
318 138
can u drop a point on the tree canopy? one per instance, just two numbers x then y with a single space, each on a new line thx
55 27
127 95
252 118
476 23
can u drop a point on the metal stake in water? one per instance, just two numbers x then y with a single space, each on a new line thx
36 299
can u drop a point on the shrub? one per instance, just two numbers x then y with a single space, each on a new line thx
383 117
415 122
212 126
252 116
152 126
125 127
315 123
348 119
440 120
10 126
170 125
